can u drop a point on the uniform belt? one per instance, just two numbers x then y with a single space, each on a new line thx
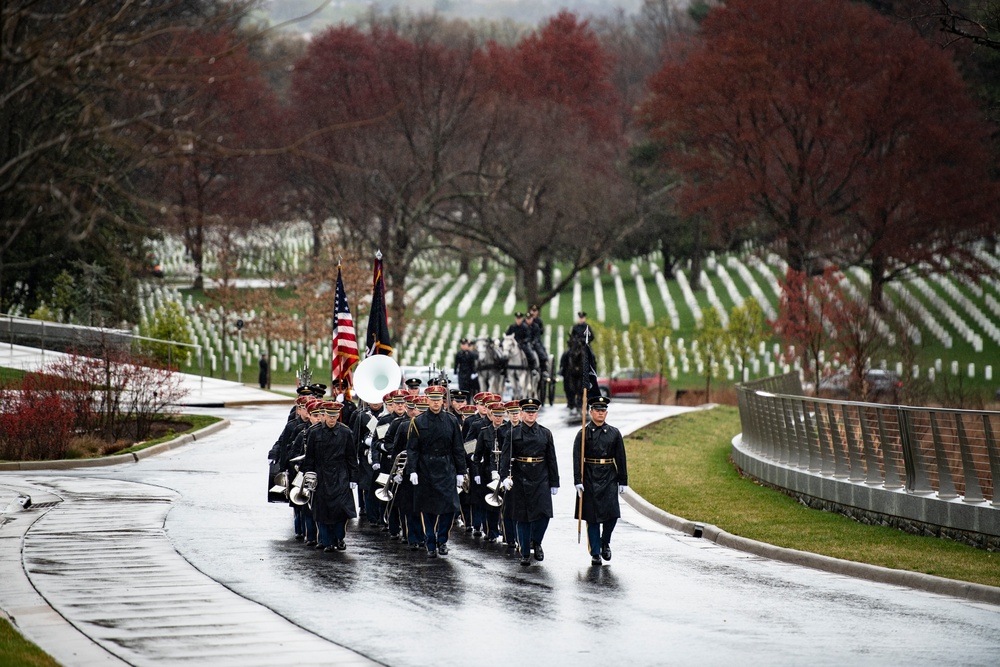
600 462
529 459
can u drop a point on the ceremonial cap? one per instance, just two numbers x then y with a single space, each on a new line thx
467 410
599 403
413 382
480 398
512 406
530 404
497 409
421 403
435 391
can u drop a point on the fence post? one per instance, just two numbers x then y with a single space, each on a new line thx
972 492
916 476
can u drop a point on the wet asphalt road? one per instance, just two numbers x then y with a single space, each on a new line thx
665 598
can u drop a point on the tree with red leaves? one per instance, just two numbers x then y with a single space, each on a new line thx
224 130
548 186
808 306
833 133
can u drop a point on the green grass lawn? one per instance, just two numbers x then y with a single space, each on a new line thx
197 422
10 375
682 466
16 651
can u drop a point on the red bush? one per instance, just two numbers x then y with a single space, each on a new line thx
35 421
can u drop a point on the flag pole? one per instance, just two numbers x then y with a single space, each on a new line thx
583 436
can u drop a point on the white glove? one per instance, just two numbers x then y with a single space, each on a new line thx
621 489
554 490
579 489
376 466
398 479
354 485
507 483
477 480
413 478
368 441
495 474
459 480
474 376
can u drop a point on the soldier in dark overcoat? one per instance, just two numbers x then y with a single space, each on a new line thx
388 447
402 504
296 452
483 471
465 366
435 464
366 436
279 453
530 456
605 475
508 528
333 457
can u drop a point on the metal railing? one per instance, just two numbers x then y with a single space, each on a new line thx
60 337
950 453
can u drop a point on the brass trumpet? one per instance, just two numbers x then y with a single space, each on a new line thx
389 486
495 497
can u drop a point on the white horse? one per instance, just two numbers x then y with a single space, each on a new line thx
490 365
523 380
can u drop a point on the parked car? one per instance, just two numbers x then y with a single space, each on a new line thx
630 382
880 385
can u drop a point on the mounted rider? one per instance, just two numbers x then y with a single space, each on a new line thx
537 329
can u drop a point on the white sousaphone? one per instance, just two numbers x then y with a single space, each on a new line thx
375 377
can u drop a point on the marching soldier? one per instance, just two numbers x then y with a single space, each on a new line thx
303 517
465 366
332 457
403 504
508 528
530 456
605 475
413 386
485 517
280 452
404 412
435 463
366 438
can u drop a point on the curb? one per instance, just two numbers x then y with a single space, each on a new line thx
917 580
134 457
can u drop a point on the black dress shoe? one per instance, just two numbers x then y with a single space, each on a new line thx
510 550
539 554
606 552
443 549
477 533
432 554
299 536
328 549
595 560
525 560
414 547
311 543
341 545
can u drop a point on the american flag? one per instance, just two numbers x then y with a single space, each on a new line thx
345 341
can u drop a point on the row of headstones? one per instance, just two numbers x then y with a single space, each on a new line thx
202 331
287 247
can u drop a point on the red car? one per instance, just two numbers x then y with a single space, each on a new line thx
630 382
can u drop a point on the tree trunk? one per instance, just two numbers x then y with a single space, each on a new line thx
529 272
464 264
317 239
546 276
876 298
